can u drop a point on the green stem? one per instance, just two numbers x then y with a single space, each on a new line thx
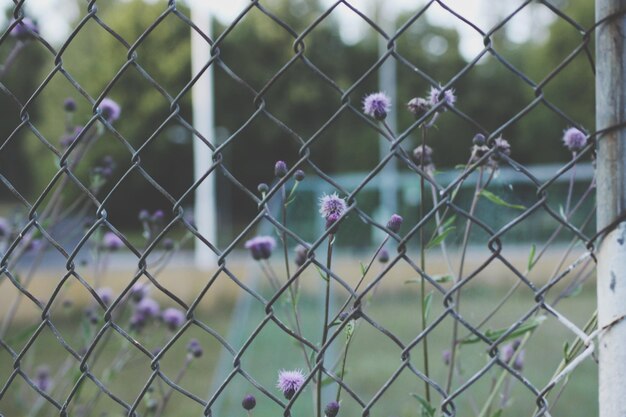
329 258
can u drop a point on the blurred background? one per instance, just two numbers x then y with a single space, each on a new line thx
344 46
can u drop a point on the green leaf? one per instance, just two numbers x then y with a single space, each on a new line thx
440 237
428 300
443 278
494 335
531 256
574 291
426 407
497 413
497 200
362 268
322 274
566 352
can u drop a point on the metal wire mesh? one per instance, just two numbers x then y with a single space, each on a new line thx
444 395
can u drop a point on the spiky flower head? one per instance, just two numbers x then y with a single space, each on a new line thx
69 105
377 105
574 139
299 175
332 205
173 318
261 247
111 111
502 147
394 223
289 382
332 409
418 106
479 139
248 402
448 97
24 29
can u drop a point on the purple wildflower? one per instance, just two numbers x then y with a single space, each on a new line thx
301 255
248 402
377 105
446 356
332 205
289 382
194 348
144 215
280 169
111 111
147 307
502 147
423 156
507 352
383 256
137 320
518 364
263 188
448 97
139 291
261 247
574 139
299 175
394 223
173 318
479 139
69 138
332 409
158 216
34 245
42 378
25 29
106 295
418 106
111 241
69 105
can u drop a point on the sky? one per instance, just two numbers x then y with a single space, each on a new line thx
54 17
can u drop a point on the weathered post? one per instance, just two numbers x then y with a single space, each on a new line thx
611 200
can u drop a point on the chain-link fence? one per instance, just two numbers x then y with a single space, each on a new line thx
446 313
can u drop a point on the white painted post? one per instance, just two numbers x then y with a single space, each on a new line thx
205 214
611 200
387 83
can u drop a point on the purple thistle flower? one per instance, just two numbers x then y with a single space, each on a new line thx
139 291
106 295
301 255
448 97
418 106
158 216
25 29
507 352
394 223
147 307
137 320
111 241
332 409
111 111
502 147
261 247
383 256
289 382
518 364
248 402
446 356
42 378
423 156
173 318
69 105
332 205
194 348
299 175
69 138
5 227
280 169
377 105
144 215
574 139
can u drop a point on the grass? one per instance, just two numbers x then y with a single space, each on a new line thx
373 359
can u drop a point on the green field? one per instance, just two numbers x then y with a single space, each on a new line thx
372 360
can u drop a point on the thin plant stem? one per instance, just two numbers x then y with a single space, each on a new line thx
8 63
423 267
329 258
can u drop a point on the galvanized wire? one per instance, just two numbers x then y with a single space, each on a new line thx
66 173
